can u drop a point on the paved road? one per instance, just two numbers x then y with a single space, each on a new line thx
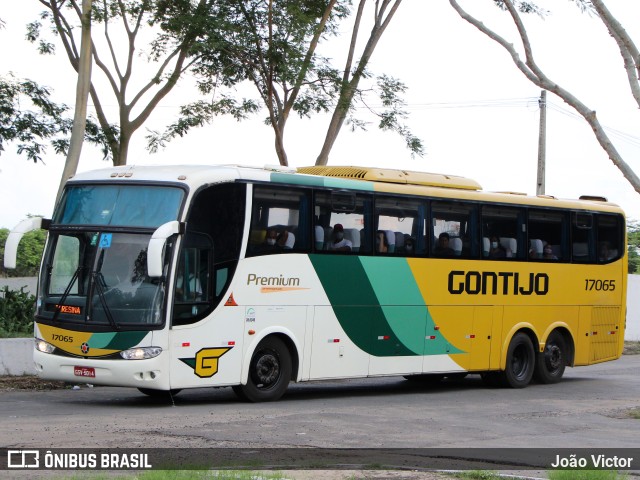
587 409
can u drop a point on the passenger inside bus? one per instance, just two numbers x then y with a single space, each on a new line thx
410 246
338 242
382 246
548 253
604 254
495 249
442 248
286 240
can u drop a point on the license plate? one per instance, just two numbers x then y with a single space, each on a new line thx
84 372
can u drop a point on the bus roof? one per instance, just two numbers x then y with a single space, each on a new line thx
357 178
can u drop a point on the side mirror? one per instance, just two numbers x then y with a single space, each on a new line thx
13 240
155 252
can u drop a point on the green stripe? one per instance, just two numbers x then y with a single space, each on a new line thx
379 305
356 306
124 340
316 181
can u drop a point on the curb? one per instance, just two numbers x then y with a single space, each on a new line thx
16 356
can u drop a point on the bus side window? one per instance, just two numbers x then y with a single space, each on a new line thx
547 235
345 218
279 220
501 233
453 229
610 238
582 248
397 225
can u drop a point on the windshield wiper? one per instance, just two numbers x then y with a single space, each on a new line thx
98 281
66 292
98 284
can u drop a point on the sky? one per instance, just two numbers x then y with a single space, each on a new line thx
476 114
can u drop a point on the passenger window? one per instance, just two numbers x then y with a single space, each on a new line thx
610 237
500 233
342 222
400 226
452 232
279 221
582 248
546 235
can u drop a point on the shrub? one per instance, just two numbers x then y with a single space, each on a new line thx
17 309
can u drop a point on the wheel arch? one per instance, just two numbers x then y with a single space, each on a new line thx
290 341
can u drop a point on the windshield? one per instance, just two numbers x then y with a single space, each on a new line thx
145 206
100 278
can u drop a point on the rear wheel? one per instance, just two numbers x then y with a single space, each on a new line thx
269 372
521 361
551 362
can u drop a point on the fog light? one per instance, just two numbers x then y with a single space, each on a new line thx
43 346
140 353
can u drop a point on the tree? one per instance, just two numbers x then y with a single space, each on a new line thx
633 245
82 93
535 74
171 56
389 87
274 45
30 127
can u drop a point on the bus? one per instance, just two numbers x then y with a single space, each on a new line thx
166 278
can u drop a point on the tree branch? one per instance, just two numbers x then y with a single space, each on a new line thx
535 75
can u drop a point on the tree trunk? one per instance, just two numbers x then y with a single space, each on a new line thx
82 95
350 86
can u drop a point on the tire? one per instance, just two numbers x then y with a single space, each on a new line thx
269 372
551 362
159 393
521 360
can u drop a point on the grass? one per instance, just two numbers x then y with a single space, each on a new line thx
586 475
478 475
631 348
634 413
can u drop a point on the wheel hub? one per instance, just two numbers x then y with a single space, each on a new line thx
267 369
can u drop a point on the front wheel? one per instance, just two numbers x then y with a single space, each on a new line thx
551 362
520 362
269 372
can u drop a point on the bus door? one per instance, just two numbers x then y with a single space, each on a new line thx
206 349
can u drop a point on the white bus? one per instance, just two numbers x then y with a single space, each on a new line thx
175 277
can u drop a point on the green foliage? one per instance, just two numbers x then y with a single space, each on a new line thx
29 253
273 46
43 121
478 475
633 241
29 127
585 475
17 308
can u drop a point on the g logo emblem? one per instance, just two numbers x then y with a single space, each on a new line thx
207 361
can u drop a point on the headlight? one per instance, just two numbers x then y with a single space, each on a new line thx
43 346
140 353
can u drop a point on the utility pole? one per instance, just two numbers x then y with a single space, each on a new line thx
542 142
